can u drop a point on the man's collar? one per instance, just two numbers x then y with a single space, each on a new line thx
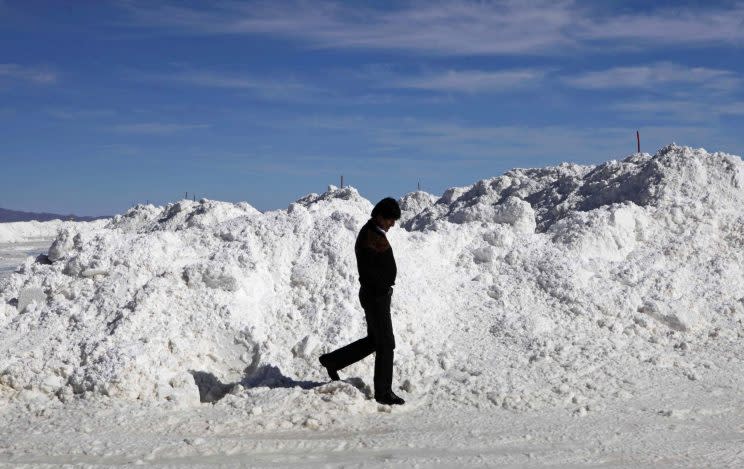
374 225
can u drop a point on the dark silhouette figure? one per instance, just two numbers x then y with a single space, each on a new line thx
377 271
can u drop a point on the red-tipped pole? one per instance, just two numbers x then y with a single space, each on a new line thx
638 140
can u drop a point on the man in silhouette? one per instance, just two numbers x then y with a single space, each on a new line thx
377 271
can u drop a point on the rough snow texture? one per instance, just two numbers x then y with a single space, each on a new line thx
414 203
17 232
551 286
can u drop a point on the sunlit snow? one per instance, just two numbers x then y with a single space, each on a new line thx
610 293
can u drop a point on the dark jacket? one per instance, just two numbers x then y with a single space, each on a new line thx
375 260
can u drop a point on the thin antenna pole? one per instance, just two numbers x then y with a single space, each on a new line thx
418 185
342 181
187 195
638 139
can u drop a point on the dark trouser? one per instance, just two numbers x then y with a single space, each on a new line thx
380 340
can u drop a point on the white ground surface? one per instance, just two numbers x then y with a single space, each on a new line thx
565 316
670 422
13 254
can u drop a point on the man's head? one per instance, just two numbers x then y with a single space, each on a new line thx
386 212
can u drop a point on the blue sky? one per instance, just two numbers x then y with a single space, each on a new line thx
107 103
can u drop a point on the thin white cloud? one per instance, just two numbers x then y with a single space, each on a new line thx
455 27
504 27
261 87
734 108
156 128
655 75
122 149
408 139
25 74
462 141
684 110
216 80
472 81
677 110
676 25
79 114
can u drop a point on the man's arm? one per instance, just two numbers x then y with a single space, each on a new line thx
370 249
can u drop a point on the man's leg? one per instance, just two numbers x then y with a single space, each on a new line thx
380 331
355 351
383 371
346 355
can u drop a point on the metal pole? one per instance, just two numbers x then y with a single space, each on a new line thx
638 139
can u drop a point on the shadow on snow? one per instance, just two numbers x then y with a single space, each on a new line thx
211 389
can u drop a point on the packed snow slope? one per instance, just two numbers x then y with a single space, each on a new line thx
549 286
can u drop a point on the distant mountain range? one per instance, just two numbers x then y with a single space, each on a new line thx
15 215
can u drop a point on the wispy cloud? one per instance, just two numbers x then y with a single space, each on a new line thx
15 72
156 128
429 139
80 114
505 27
486 142
656 75
712 23
734 108
267 163
471 81
262 87
698 109
455 27
432 143
675 110
122 150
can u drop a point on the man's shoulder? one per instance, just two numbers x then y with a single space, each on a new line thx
371 238
367 228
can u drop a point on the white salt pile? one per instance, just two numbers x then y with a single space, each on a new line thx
15 232
558 285
19 240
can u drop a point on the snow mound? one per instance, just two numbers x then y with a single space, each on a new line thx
675 176
16 232
413 203
184 214
548 286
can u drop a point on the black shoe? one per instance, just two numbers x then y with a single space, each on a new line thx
389 398
333 373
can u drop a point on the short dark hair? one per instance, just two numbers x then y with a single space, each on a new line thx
387 208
